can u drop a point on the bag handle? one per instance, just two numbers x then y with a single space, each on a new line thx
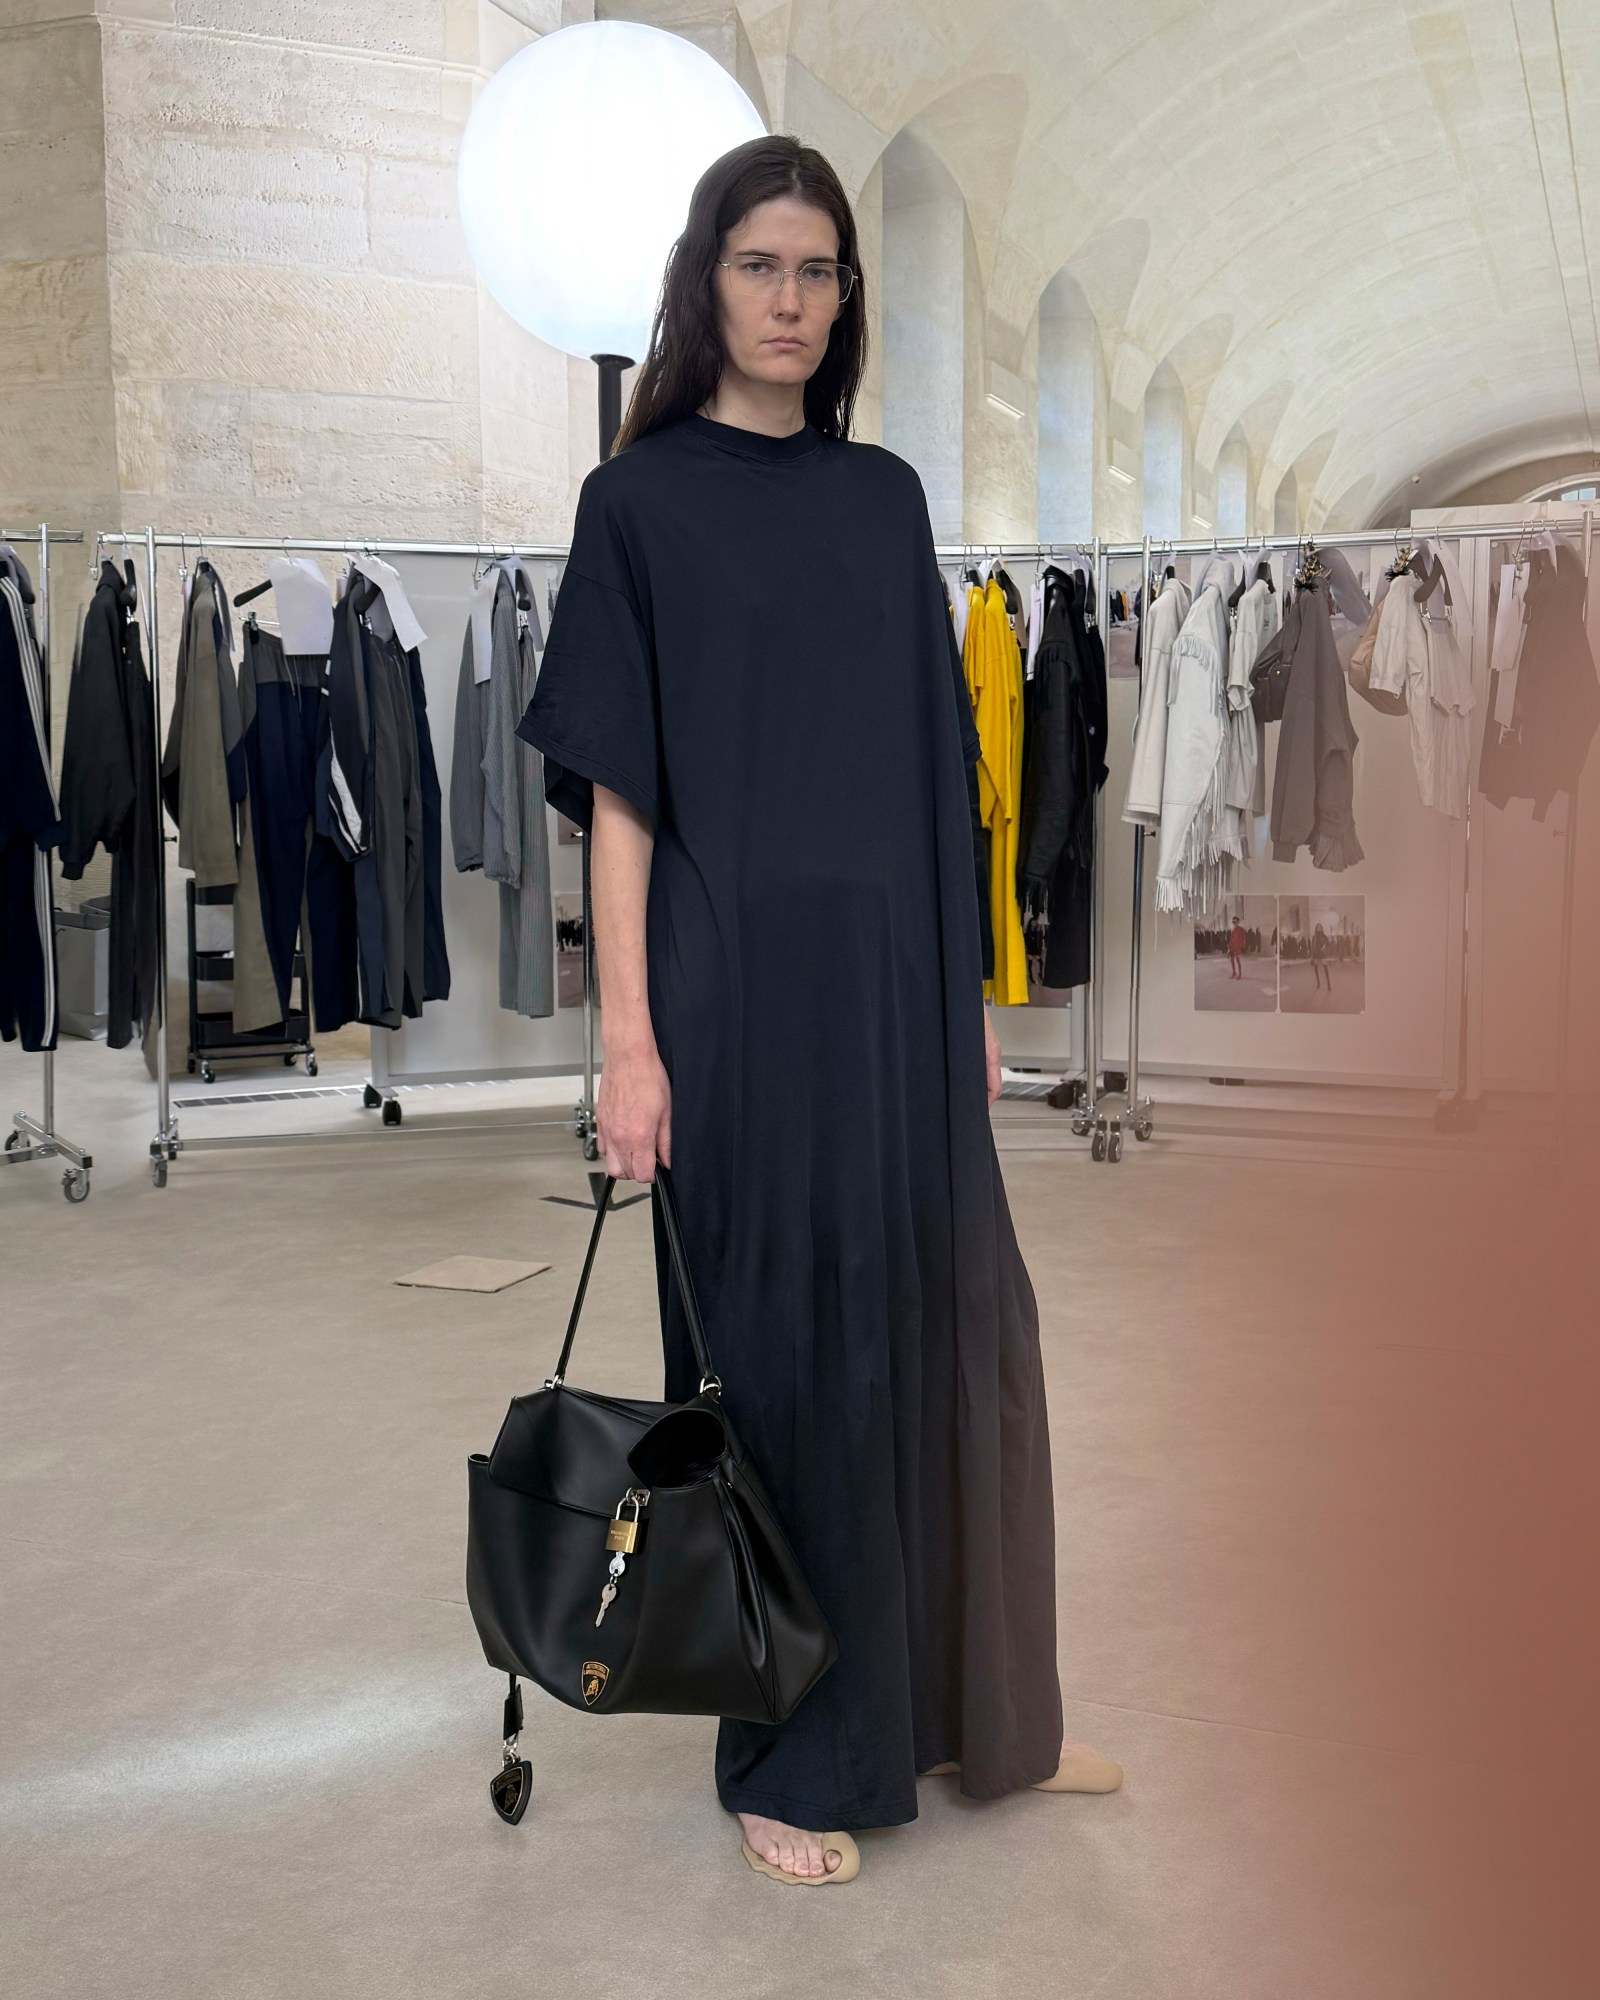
667 1202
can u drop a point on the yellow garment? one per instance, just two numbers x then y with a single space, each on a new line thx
992 662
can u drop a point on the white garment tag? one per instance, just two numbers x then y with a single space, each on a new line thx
482 620
1507 655
304 604
401 618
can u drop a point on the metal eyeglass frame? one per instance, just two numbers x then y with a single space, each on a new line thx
846 289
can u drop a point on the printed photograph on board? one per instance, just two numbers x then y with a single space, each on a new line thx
569 952
1236 957
1322 963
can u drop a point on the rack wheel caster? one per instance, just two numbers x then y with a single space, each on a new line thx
371 1098
391 1111
207 1073
1097 1145
158 1173
191 1065
1114 1145
311 1065
13 1141
1143 1129
75 1184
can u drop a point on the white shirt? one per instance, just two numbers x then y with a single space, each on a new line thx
303 602
1162 623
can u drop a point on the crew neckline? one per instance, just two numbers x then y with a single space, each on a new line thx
755 444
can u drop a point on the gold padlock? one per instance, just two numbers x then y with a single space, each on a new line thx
623 1535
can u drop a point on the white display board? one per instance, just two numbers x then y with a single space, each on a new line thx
1411 883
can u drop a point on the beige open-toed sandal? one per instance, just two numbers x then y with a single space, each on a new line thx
1080 1770
837 1843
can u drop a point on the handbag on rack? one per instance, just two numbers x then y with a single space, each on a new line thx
624 1556
1358 671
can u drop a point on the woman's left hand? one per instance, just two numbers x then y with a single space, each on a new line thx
991 1045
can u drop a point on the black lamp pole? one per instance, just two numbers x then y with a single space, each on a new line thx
611 367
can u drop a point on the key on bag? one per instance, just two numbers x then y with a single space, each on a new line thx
618 1563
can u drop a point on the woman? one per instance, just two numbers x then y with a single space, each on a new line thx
752 701
1321 974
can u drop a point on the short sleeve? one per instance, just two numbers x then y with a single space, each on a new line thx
971 748
594 712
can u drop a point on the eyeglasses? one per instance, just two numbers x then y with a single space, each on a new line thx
822 282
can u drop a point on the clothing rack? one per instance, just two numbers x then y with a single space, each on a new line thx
37 1138
1085 1113
1138 1111
168 1143
1101 1113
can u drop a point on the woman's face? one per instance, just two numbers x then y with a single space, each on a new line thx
776 336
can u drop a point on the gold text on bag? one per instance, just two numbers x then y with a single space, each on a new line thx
595 1675
624 1535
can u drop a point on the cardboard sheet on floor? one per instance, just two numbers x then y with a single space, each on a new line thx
472 1274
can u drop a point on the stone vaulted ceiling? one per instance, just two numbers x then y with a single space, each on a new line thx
1360 230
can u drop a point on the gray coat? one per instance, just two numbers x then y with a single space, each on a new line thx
1313 782
498 820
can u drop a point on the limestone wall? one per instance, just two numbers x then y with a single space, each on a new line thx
57 432
237 296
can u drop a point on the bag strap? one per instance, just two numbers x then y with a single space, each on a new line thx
667 1202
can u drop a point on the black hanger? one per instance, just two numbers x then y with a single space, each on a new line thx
126 585
256 590
1432 578
1008 590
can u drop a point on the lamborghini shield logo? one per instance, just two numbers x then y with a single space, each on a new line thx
595 1675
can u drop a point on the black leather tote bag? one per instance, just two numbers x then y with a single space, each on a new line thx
623 1554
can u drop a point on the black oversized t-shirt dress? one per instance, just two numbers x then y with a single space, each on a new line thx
752 646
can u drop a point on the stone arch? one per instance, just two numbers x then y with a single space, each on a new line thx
1233 485
1166 454
1286 505
1071 410
926 246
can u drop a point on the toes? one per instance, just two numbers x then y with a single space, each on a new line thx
786 1856
831 1860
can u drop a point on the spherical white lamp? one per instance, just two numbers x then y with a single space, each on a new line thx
576 169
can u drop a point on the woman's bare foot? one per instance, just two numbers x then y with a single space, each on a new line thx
790 1848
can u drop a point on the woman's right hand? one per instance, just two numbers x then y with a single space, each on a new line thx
633 1114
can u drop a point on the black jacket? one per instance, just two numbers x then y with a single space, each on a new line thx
1557 706
1064 766
108 793
28 824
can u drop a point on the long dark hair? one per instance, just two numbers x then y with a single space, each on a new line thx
686 356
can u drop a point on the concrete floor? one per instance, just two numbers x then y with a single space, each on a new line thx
248 1729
